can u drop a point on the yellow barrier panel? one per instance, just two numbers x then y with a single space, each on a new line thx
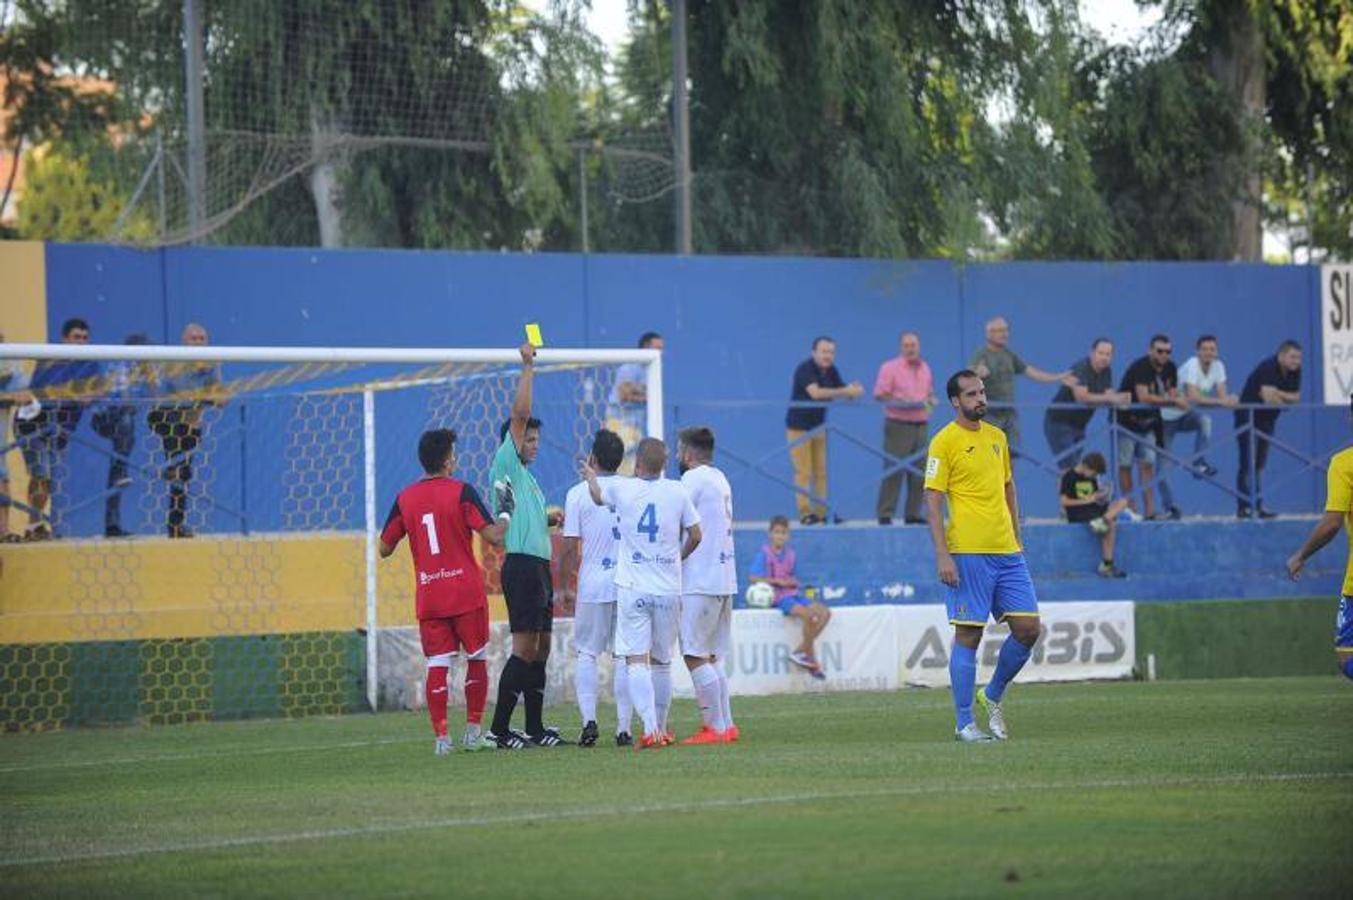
84 590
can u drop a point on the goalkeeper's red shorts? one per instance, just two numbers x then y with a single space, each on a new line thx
468 632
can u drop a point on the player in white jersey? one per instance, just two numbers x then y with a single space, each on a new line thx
654 512
595 531
708 583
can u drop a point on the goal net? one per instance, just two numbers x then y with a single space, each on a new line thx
191 530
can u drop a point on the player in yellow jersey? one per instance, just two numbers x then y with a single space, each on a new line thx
978 553
1338 513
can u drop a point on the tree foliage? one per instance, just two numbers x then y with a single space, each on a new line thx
64 201
950 128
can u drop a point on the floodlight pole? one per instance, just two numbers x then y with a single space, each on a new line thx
681 128
197 143
582 196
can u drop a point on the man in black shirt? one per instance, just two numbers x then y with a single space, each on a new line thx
1065 428
1276 381
1153 382
815 379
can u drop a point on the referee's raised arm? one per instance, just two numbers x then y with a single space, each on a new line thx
521 403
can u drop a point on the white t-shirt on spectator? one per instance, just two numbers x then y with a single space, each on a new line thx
1191 372
598 532
653 513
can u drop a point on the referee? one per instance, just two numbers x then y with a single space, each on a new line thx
525 576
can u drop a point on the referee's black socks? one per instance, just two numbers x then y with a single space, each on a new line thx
535 698
515 679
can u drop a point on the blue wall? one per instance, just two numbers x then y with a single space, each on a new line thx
735 328
1165 561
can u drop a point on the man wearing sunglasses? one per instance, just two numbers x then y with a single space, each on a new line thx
1153 382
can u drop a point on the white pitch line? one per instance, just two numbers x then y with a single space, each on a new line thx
601 812
205 754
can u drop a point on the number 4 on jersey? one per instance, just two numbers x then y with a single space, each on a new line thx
648 523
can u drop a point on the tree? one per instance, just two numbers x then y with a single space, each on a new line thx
62 201
1286 69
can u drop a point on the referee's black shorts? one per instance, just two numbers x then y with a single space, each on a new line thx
528 589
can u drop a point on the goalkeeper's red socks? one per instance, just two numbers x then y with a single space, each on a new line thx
476 690
436 692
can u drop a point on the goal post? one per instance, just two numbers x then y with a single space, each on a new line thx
279 463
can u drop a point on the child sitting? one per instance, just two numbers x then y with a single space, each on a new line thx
774 565
1083 500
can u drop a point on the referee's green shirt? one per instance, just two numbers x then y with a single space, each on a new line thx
529 531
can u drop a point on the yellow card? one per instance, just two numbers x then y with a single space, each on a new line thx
533 335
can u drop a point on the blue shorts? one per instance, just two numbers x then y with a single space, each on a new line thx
787 603
990 584
1343 624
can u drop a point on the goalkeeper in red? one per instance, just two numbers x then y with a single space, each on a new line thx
440 515
1338 514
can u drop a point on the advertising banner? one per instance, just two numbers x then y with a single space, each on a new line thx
864 648
1336 331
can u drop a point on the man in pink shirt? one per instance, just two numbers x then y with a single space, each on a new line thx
907 389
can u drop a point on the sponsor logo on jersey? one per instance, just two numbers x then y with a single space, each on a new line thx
638 557
429 577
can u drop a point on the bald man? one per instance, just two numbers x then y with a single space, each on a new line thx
188 389
997 365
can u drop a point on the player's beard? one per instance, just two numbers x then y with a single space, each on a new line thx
978 413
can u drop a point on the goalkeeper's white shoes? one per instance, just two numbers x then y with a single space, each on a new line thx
475 739
443 746
995 716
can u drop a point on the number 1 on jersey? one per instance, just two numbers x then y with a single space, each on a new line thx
648 523
431 525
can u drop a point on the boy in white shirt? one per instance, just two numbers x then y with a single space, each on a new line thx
654 513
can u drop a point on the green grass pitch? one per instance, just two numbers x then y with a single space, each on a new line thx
1224 788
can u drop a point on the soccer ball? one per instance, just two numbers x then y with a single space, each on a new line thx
760 595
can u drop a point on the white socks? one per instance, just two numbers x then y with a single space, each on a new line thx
726 708
662 692
709 695
641 694
585 686
624 708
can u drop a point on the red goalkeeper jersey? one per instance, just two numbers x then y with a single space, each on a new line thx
440 515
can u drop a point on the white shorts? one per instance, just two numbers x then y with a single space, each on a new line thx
594 628
645 624
706 624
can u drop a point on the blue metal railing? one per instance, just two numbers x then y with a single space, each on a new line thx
767 460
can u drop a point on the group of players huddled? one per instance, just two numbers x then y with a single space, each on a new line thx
654 561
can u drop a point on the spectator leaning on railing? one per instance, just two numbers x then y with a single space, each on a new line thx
906 387
1202 382
1065 428
1276 382
13 392
188 388
815 379
627 404
115 419
1153 382
997 365
62 389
